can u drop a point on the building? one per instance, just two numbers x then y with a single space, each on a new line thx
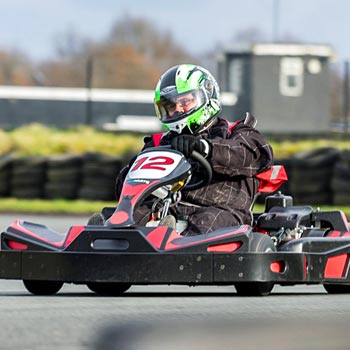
286 86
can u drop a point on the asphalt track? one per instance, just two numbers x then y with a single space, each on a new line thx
170 317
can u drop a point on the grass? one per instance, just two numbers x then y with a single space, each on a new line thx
288 148
84 207
24 141
55 206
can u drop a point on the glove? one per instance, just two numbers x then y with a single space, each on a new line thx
186 144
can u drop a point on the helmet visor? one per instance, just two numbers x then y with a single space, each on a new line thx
172 108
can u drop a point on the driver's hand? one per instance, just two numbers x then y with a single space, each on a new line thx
186 144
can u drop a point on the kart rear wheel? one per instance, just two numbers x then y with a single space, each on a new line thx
260 243
42 287
337 288
108 288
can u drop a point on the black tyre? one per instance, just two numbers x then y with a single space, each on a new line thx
42 287
96 219
61 190
97 193
108 288
259 243
105 288
337 288
316 158
341 198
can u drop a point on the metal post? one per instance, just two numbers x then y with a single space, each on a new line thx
346 89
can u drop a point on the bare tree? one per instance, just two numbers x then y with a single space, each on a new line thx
15 69
64 72
157 46
122 66
133 55
71 44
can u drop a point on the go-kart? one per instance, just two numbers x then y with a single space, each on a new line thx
285 244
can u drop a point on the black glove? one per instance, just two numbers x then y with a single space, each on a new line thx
186 144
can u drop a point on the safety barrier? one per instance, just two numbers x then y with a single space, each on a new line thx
317 177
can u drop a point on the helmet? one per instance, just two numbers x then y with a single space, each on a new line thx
187 96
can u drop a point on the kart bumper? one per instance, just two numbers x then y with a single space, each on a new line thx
173 268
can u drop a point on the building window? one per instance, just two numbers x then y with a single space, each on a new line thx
291 76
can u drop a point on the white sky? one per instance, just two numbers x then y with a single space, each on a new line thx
32 26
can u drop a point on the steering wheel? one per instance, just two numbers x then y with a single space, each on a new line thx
203 171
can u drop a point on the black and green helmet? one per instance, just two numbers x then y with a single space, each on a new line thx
187 96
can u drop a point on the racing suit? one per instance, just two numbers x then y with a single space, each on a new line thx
238 153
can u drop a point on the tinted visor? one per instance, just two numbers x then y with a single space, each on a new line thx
171 108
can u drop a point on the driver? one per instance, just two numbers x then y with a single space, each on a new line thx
187 103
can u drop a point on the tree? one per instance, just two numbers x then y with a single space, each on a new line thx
67 72
133 55
122 66
157 46
15 69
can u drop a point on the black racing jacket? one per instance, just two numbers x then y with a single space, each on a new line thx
238 153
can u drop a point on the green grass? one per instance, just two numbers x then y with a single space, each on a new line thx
56 206
38 139
288 148
83 207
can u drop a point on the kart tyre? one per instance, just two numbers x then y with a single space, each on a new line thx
259 243
42 287
105 288
96 219
108 288
337 288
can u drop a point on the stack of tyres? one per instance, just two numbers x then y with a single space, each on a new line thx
99 174
5 174
28 175
341 180
64 174
311 176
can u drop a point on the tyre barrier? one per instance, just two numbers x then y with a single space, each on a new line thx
320 176
5 175
98 176
311 175
313 178
63 176
340 183
88 176
27 177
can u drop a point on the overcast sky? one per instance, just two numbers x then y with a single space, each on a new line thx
33 25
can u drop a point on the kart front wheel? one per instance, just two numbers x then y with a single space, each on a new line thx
42 287
259 243
108 288
337 288
253 289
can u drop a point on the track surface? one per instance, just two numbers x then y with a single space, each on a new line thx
174 317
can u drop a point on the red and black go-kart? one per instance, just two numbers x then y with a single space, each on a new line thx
285 245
